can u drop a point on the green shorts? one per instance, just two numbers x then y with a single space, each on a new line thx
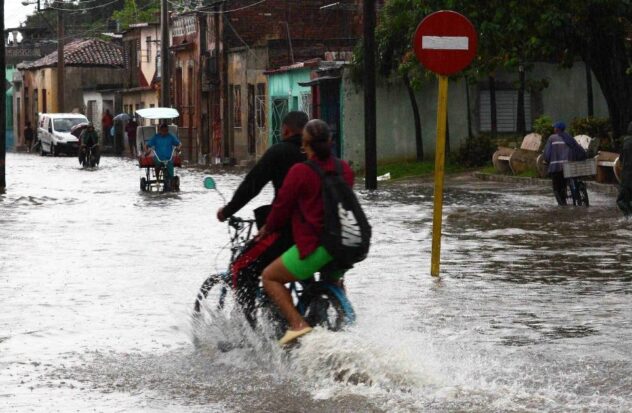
304 269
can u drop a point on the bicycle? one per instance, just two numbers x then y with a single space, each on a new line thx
575 186
156 176
320 301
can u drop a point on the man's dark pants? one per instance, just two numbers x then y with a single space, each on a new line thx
559 187
247 268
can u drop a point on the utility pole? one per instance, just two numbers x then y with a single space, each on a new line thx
61 64
370 123
3 111
165 77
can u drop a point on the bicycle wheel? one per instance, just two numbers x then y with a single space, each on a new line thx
583 194
325 306
215 295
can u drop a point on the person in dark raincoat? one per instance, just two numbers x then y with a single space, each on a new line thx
559 149
624 200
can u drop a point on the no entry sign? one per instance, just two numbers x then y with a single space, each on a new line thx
445 42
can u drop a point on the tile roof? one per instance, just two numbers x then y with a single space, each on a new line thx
86 52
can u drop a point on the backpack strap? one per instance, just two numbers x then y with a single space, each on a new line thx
316 168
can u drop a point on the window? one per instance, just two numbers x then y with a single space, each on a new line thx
261 105
305 105
506 110
148 51
138 53
236 95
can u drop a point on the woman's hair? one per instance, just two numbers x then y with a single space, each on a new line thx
320 138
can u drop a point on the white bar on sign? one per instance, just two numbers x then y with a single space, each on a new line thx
445 42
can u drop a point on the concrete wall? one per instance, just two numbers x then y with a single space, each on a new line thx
565 98
245 67
395 125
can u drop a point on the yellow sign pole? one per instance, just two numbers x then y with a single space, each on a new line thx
442 110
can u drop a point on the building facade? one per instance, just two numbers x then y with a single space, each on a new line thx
89 64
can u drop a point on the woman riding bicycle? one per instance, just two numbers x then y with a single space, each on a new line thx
300 199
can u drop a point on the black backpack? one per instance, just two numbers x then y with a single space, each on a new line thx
346 230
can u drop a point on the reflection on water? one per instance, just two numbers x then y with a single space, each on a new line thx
97 281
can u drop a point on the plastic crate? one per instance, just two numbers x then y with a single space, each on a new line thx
580 168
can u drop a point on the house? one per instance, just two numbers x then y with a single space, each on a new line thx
141 45
220 56
89 63
21 44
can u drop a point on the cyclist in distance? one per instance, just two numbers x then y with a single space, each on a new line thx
272 167
300 201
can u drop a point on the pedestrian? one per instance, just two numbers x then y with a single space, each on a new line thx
559 149
130 128
106 125
624 200
28 136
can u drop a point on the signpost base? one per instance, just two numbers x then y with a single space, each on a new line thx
442 110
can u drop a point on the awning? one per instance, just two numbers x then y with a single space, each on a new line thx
319 80
158 113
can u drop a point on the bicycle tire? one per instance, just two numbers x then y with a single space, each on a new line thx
583 194
320 306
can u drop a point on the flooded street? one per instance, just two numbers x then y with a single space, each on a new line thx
97 283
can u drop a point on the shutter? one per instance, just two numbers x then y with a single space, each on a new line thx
506 110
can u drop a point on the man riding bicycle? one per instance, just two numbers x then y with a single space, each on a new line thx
89 139
163 144
272 167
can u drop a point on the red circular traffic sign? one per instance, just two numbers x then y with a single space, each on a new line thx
445 42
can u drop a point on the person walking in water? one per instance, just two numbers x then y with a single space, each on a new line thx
28 136
559 149
624 200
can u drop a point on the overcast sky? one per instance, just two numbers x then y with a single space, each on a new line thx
15 13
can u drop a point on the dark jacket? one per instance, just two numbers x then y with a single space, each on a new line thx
561 148
273 166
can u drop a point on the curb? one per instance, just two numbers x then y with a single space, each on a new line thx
522 180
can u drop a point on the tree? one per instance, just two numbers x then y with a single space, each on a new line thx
397 23
597 31
133 12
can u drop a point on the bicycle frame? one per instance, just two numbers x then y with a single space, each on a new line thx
240 237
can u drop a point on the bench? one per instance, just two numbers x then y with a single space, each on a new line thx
516 161
606 171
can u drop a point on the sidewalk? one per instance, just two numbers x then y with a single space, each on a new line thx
610 189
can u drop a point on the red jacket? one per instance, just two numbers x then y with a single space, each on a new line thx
300 199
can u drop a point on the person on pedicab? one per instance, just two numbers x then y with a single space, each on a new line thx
163 144
89 139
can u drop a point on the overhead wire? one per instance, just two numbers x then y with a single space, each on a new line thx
82 9
233 10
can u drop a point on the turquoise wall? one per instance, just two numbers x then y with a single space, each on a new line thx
9 108
285 85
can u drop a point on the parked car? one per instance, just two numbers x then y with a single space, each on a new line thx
54 133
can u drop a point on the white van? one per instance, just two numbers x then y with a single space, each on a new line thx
53 131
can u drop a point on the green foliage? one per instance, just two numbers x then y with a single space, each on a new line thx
131 13
592 126
543 126
595 127
475 151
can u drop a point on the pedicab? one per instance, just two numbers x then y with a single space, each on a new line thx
155 170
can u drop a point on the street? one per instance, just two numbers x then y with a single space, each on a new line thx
97 282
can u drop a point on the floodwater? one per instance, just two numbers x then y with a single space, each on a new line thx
97 281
